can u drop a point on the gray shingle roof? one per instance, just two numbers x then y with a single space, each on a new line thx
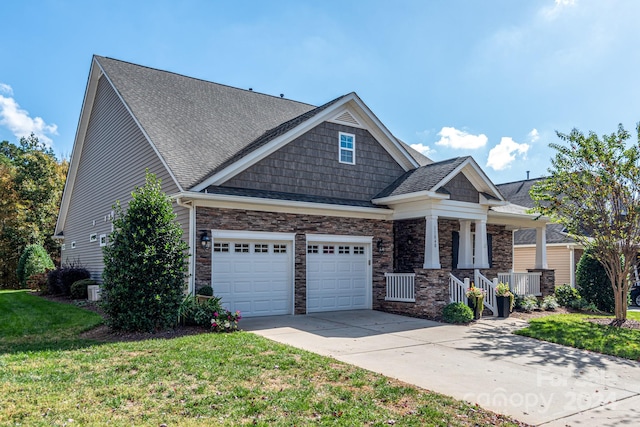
214 189
554 235
518 192
423 178
196 125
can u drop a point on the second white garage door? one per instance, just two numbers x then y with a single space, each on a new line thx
338 276
253 276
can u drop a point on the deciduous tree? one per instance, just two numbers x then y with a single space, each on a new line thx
594 191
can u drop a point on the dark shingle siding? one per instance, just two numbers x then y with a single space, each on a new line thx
309 165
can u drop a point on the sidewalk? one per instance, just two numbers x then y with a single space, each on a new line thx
535 382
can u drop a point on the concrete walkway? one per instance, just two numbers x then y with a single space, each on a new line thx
535 382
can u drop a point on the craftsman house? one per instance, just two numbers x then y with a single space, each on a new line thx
562 251
287 207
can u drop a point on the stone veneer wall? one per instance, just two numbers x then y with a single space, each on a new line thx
243 220
432 294
547 281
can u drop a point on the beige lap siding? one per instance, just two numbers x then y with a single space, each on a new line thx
558 259
242 220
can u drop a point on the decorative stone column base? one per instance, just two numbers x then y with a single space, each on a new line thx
547 281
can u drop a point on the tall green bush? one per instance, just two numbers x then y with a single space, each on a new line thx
145 263
593 283
33 260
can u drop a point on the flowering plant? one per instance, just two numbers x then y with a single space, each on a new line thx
225 321
474 292
502 290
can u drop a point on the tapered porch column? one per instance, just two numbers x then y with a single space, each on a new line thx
481 248
465 245
541 248
431 244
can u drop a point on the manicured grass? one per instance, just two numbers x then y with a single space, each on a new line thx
207 379
28 322
574 331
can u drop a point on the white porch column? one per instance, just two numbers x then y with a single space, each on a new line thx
431 244
481 248
572 266
465 249
541 248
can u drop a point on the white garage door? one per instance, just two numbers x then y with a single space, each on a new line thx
337 277
253 276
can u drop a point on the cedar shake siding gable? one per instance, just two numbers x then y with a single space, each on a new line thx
309 165
461 189
112 162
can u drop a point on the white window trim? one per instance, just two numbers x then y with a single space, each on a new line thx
93 237
103 240
340 148
73 245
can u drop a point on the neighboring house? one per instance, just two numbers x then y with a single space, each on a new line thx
563 252
287 207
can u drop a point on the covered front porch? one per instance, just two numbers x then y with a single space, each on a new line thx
437 258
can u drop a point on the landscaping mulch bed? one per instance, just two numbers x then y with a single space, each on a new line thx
629 324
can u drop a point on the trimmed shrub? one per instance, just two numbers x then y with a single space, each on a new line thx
69 275
79 288
38 282
593 283
566 295
34 260
457 312
198 313
549 303
205 291
53 282
529 303
145 268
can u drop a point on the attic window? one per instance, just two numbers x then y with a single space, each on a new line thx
347 148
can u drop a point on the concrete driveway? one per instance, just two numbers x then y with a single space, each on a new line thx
532 381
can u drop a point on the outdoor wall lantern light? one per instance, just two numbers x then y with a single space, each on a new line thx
205 240
379 245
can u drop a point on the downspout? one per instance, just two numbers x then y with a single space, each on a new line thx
192 239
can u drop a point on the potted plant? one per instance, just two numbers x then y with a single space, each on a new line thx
475 300
504 299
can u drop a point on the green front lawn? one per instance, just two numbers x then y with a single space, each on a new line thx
574 331
207 379
29 323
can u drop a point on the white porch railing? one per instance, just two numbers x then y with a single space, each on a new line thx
489 288
522 283
458 289
400 287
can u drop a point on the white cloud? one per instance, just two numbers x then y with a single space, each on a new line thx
5 88
501 156
424 149
534 135
459 139
554 11
19 122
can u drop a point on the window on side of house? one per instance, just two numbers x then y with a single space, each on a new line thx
347 148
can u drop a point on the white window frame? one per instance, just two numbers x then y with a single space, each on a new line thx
73 245
103 240
352 150
93 237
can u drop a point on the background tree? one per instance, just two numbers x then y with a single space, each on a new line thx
594 191
31 184
145 263
593 283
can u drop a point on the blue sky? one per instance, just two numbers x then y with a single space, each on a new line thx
492 79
